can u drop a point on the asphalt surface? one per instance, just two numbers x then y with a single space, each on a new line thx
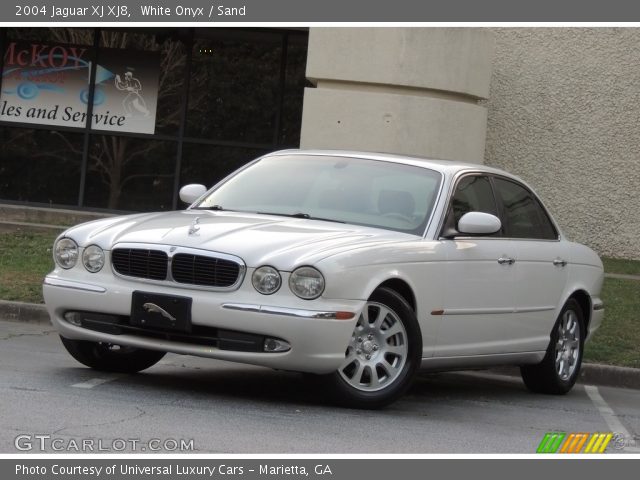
228 408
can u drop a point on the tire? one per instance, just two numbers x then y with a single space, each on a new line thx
111 358
558 371
388 332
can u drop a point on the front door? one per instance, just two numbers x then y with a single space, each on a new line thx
477 311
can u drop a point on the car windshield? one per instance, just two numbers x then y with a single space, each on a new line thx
340 189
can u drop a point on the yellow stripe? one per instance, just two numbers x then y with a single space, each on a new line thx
581 443
591 442
605 443
596 445
567 442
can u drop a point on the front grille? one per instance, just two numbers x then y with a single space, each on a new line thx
201 270
141 263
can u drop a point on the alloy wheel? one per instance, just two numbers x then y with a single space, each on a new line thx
568 346
377 351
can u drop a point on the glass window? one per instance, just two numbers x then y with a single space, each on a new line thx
295 81
350 190
473 194
40 166
233 94
524 217
126 173
245 99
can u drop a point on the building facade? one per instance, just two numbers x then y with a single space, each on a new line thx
221 98
564 114
556 106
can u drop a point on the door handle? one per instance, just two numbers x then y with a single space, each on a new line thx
506 260
559 262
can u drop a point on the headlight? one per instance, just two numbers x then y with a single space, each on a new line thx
65 253
93 258
306 282
266 280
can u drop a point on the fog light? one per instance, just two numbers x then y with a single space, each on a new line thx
276 345
74 318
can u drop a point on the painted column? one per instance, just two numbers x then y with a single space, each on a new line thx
413 91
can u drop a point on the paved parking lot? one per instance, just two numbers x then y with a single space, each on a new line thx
218 407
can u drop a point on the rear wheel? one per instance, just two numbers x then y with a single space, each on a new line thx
108 357
382 356
558 371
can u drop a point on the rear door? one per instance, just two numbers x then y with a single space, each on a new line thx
540 272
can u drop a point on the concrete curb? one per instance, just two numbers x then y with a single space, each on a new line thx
622 276
609 375
24 312
592 373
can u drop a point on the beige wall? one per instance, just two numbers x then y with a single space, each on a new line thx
563 111
411 91
564 114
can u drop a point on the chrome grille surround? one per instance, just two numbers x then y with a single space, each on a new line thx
171 251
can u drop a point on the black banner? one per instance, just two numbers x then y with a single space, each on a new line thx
300 11
335 469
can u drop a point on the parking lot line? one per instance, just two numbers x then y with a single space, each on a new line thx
609 415
94 382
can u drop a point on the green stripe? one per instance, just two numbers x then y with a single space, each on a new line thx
552 439
543 443
557 443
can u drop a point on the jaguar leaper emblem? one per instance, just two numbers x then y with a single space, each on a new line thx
152 307
194 227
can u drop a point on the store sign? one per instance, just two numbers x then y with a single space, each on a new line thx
48 84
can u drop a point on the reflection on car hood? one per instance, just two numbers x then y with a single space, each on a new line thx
258 239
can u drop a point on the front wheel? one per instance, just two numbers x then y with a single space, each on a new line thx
108 357
383 353
559 369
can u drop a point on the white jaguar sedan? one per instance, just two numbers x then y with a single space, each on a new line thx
360 268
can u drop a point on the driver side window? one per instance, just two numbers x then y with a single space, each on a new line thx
473 194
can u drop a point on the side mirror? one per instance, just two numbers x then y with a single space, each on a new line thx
190 193
479 223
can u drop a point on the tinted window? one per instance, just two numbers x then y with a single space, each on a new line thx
523 215
473 194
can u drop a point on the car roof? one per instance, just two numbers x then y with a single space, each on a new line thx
450 167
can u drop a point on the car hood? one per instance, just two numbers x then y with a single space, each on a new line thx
282 242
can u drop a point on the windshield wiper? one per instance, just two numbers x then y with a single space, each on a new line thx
300 215
212 207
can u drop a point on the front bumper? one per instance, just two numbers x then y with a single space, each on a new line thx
317 335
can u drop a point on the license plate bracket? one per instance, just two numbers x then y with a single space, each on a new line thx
162 312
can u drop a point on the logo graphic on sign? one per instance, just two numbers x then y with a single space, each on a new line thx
133 101
49 84
561 442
